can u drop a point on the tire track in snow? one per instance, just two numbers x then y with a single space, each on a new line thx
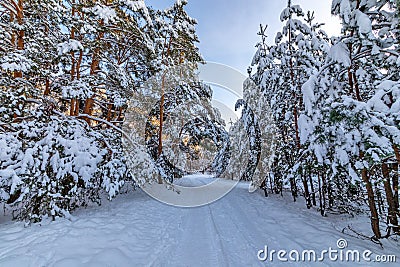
198 242
136 230
224 256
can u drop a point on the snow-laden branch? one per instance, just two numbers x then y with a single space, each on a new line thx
86 116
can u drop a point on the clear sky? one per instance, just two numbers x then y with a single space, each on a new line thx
228 28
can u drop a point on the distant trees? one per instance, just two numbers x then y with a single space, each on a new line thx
67 71
337 109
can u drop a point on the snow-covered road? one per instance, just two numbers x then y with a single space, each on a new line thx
136 230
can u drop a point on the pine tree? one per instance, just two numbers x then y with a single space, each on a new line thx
176 31
67 70
282 69
350 125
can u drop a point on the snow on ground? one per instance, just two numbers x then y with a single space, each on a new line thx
136 230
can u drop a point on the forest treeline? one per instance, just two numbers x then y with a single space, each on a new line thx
335 102
67 70
69 67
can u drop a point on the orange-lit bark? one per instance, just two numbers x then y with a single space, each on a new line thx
371 201
72 107
72 73
76 112
94 67
20 33
109 107
47 87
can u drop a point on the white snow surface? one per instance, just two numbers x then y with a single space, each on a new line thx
363 22
105 13
340 53
136 230
68 46
138 5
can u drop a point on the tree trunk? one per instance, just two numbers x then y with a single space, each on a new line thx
119 118
295 113
94 67
328 184
109 111
20 33
78 65
20 18
72 73
314 201
395 182
357 87
350 77
72 107
296 124
47 87
392 212
293 188
160 145
12 17
371 204
88 109
264 187
306 193
77 102
72 53
321 195
396 179
379 201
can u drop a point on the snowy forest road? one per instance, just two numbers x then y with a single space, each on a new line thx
136 230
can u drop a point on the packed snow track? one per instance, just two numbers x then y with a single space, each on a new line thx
136 230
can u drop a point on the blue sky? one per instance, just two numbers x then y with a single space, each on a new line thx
228 28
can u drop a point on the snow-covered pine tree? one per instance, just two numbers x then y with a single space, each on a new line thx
259 104
61 63
282 69
239 150
352 124
177 35
176 45
370 30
